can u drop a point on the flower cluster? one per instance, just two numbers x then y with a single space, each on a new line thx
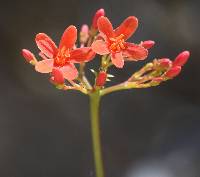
100 38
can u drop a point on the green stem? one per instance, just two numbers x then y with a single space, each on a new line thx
114 88
95 128
127 85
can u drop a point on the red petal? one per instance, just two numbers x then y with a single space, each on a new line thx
117 60
83 54
135 52
100 47
105 26
69 71
44 66
57 76
127 27
46 45
68 38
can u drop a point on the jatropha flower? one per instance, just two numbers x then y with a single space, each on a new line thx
113 41
64 56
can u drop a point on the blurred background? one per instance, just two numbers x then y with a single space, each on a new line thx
152 132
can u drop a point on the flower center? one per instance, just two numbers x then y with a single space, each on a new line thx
62 57
117 43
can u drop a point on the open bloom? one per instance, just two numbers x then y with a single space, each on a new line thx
113 41
62 57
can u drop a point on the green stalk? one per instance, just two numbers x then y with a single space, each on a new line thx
95 129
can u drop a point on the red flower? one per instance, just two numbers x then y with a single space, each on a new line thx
114 41
62 57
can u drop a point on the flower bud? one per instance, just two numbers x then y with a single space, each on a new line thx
85 29
28 55
181 59
84 34
165 62
57 76
101 78
173 72
148 44
98 14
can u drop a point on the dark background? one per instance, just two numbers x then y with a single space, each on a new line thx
152 132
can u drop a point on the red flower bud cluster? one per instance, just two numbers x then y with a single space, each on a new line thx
159 70
170 69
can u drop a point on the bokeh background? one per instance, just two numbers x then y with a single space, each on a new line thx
152 132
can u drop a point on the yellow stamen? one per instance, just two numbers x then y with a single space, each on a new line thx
62 56
117 43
